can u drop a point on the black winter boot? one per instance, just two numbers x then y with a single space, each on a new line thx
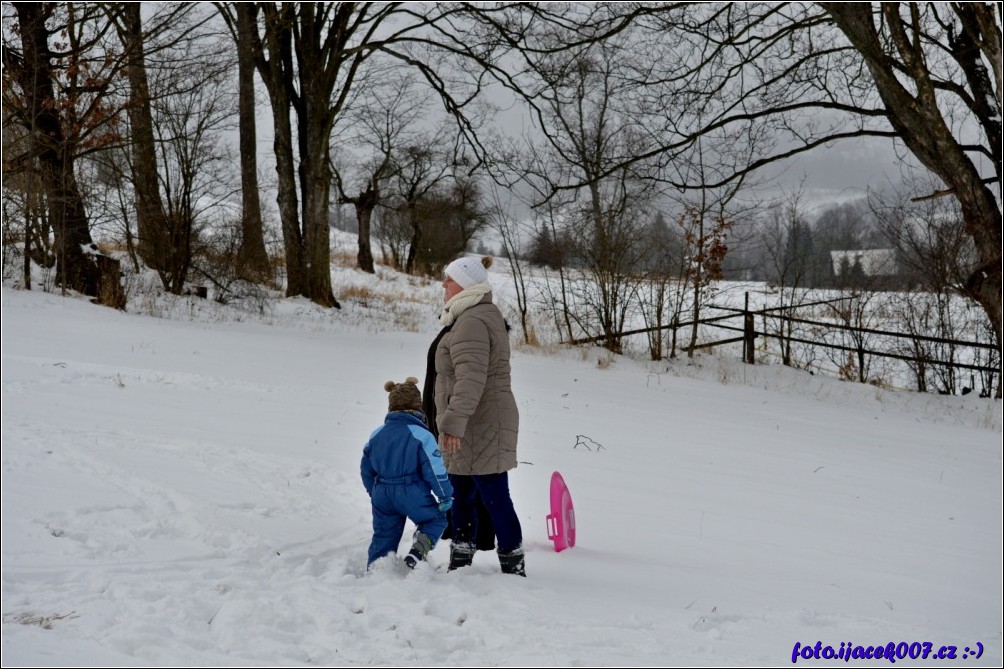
420 548
513 562
461 554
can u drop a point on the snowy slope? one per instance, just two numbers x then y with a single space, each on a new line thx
186 492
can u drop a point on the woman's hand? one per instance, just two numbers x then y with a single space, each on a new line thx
451 444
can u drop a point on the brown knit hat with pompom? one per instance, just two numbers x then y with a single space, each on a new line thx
404 396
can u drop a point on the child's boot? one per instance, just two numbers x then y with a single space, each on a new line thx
420 548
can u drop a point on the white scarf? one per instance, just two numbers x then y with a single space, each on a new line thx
462 301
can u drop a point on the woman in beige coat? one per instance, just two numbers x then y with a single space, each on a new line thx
476 413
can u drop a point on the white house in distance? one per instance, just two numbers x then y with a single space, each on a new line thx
873 262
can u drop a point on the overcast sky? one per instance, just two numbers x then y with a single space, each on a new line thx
828 175
844 171
838 173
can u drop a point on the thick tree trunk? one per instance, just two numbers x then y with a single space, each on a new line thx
296 275
315 177
315 187
152 229
253 256
75 267
365 204
276 72
322 32
314 119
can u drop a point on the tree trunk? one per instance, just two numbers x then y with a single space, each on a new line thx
276 72
252 256
365 204
315 186
296 275
110 292
416 239
698 279
314 119
26 265
75 268
151 222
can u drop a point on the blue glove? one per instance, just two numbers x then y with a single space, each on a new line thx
446 504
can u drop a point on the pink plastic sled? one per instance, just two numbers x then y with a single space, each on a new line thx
561 522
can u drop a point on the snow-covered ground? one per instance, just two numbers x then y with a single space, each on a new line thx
185 491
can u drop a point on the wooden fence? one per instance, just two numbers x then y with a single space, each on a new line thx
744 321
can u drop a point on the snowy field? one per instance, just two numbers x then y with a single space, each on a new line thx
185 491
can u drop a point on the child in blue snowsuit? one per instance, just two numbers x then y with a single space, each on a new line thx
405 477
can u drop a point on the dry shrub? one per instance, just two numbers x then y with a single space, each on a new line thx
531 340
360 294
344 258
110 248
849 370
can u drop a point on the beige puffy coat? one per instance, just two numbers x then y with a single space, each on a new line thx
474 397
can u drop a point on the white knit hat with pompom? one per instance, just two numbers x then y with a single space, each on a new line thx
469 271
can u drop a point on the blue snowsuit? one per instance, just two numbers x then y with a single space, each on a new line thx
402 469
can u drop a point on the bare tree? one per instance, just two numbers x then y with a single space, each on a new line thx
111 199
793 77
171 30
857 312
581 97
418 169
934 254
365 203
784 235
311 55
27 236
532 170
449 218
705 237
193 107
511 231
272 44
381 118
58 94
393 231
931 64
242 21
153 243
431 214
933 249
553 225
97 73
666 281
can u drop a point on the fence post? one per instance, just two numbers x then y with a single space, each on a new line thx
748 332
